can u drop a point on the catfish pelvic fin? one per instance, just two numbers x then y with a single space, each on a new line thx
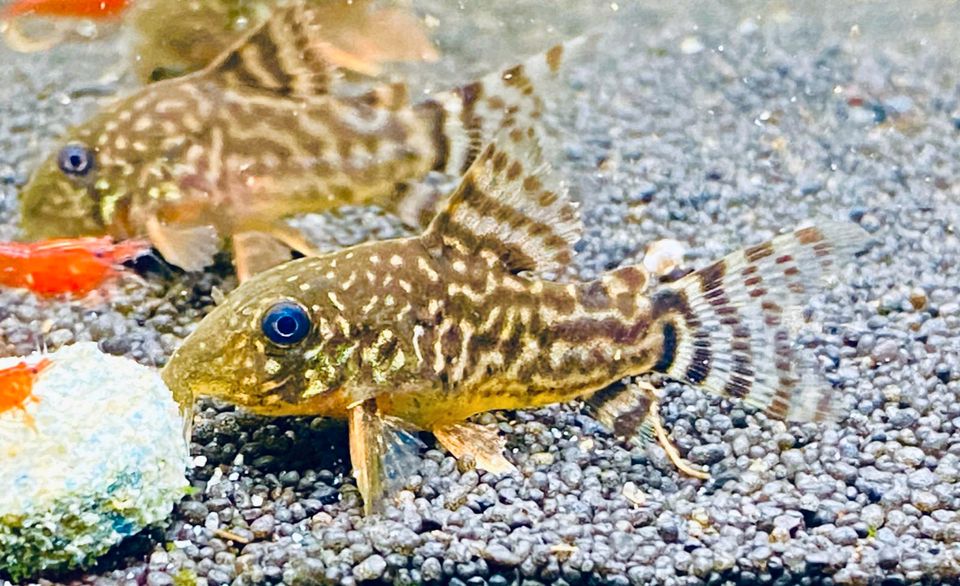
506 207
483 442
285 55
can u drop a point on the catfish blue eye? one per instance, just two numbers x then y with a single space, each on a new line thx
285 323
75 159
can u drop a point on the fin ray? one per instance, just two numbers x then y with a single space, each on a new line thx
284 55
483 442
730 327
382 453
467 117
505 206
190 248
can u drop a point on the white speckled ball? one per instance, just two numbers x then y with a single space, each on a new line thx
96 457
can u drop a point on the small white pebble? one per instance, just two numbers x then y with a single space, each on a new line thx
256 500
634 494
200 461
663 256
214 479
691 46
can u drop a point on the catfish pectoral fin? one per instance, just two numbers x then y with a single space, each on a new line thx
381 451
351 61
483 442
190 248
364 454
255 252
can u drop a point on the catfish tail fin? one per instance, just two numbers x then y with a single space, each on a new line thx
730 327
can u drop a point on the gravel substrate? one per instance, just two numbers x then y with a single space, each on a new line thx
717 129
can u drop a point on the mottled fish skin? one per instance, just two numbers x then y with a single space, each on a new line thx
175 37
262 134
431 330
447 337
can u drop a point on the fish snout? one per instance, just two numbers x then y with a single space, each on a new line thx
57 209
177 375
208 363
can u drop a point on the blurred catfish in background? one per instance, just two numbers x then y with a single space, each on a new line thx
174 37
181 37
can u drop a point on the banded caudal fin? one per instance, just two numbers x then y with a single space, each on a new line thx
466 118
730 327
286 55
506 210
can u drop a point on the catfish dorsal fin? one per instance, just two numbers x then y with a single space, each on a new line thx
467 117
505 207
285 55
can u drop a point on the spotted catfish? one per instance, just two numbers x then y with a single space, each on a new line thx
267 131
176 37
422 333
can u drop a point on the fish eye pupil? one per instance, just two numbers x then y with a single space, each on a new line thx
75 159
286 323
286 326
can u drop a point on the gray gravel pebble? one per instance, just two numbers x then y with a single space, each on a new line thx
717 125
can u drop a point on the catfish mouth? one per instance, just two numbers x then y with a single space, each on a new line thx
187 382
57 210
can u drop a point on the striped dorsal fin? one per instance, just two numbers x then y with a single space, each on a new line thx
466 118
506 206
285 55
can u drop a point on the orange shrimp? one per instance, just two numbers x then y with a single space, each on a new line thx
16 386
94 9
28 26
64 266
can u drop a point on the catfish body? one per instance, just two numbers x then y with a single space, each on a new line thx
422 333
175 38
266 131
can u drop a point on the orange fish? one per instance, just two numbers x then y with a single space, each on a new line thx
16 386
70 265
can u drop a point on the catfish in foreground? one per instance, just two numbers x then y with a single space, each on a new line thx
422 333
269 130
